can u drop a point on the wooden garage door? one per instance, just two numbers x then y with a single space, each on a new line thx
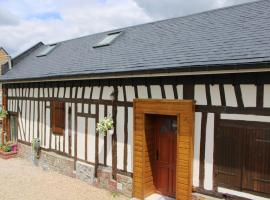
242 156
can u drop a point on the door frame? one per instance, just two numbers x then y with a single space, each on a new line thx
143 182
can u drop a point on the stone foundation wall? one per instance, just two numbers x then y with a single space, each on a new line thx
122 184
48 160
84 172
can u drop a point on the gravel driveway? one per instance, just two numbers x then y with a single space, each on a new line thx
20 180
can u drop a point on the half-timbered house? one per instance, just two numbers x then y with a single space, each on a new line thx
189 97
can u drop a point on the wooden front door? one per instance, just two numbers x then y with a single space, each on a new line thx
166 137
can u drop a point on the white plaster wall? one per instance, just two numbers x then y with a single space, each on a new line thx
35 92
120 137
200 94
79 107
73 92
67 94
79 92
91 140
209 151
107 91
87 92
266 96
23 117
93 109
31 121
96 92
256 118
249 95
81 138
130 141
61 92
109 141
142 92
66 127
27 121
36 122
55 91
48 121
41 92
73 129
85 108
215 95
156 92
130 93
197 139
230 95
50 92
45 92
101 137
9 92
120 93
169 91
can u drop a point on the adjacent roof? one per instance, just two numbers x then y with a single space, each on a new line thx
229 36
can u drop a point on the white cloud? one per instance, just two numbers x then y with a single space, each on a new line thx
20 29
78 18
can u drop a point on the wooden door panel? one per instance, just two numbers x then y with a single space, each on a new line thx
256 170
228 157
165 158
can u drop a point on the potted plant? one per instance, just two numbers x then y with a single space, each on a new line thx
6 150
106 126
13 145
35 144
3 112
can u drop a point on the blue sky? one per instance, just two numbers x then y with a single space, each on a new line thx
26 22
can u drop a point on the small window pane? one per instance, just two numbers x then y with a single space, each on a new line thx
108 39
46 50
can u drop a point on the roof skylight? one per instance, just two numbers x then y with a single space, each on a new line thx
108 39
46 50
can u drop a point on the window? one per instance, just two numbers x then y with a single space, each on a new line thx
46 50
108 39
58 117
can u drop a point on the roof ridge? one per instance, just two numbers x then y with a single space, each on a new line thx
163 20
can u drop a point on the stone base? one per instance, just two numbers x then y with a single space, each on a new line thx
48 160
122 184
84 172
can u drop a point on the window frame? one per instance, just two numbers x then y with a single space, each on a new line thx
58 106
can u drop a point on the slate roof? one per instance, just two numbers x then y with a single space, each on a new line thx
228 36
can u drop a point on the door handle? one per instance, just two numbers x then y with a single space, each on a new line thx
157 154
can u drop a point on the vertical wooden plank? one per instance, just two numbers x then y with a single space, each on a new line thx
69 130
96 142
105 137
136 91
175 91
188 91
222 95
238 94
163 95
202 149
260 95
114 136
149 91
208 95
